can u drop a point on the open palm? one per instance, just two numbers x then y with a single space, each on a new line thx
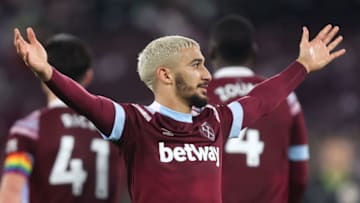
317 53
33 54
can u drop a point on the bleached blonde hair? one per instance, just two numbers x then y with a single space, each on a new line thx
163 51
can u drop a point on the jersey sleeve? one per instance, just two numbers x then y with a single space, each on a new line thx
298 152
99 110
299 149
231 118
267 95
237 113
21 145
119 123
125 128
125 124
109 117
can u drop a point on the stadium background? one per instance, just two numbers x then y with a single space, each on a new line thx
117 30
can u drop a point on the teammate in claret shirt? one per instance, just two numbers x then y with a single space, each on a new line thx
58 153
268 161
171 155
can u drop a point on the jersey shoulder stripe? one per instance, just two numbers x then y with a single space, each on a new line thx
238 115
145 114
119 123
294 104
299 153
215 112
28 126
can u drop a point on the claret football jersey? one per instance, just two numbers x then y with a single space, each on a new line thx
172 156
256 163
71 162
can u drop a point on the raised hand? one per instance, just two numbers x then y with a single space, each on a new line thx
33 54
317 53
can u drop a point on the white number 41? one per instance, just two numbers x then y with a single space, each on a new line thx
67 170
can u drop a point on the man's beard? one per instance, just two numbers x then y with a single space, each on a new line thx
182 89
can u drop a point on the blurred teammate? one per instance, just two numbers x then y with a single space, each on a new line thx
268 162
173 156
58 152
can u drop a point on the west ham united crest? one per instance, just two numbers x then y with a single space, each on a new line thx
207 131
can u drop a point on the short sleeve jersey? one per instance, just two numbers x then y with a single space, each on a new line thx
71 163
172 156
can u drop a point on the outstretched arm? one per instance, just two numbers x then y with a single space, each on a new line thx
314 55
11 188
17 169
99 110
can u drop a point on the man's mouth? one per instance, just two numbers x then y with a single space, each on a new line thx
203 87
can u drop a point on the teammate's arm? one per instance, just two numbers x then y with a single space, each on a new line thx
17 169
298 178
11 188
298 156
100 110
313 55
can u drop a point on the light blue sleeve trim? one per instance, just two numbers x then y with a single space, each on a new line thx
119 123
299 153
238 115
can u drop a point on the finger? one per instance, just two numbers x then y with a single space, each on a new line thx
337 54
331 34
26 59
321 35
31 35
17 46
335 43
22 46
19 38
25 56
305 35
16 35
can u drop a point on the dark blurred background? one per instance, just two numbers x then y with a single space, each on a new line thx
117 30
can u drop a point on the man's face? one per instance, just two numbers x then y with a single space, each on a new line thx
192 77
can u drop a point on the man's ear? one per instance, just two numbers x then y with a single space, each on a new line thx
88 77
164 75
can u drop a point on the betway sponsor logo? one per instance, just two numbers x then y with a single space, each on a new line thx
189 152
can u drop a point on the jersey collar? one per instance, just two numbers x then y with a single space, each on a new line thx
233 71
178 116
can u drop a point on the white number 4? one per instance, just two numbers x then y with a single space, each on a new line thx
251 146
76 175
